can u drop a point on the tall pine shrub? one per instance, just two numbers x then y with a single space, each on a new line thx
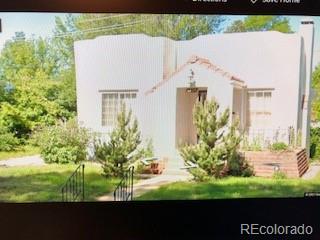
216 153
121 150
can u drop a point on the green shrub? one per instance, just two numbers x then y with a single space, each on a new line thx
238 166
208 160
199 175
8 142
279 146
63 143
315 143
216 153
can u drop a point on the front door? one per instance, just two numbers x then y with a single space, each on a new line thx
237 111
186 133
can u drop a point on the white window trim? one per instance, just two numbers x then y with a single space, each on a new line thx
118 92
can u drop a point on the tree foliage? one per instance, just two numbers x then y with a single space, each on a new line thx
215 154
261 23
316 98
22 58
315 143
31 92
34 104
65 34
174 26
65 142
8 142
121 150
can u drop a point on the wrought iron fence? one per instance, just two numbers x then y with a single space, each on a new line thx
73 189
124 190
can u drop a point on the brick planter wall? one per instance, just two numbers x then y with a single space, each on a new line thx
293 163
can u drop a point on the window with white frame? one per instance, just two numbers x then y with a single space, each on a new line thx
259 108
111 103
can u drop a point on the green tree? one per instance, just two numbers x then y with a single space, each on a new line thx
315 143
34 105
6 91
316 100
22 58
65 34
66 95
122 149
8 141
216 152
175 26
33 91
32 108
261 23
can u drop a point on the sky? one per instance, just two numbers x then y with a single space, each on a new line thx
42 25
39 24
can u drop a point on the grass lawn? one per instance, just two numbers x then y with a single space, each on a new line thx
234 188
20 152
43 183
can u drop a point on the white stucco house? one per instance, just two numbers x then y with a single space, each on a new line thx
262 77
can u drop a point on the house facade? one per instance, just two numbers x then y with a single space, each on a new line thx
263 78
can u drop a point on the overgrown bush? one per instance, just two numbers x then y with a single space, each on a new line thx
315 143
122 149
238 166
63 143
279 146
8 142
216 153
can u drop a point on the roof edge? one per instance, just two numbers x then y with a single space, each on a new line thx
202 62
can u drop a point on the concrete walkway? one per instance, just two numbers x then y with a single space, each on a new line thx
171 174
312 172
35 160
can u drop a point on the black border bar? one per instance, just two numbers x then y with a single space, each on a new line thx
163 220
305 7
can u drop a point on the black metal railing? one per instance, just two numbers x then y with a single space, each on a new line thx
124 190
73 189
